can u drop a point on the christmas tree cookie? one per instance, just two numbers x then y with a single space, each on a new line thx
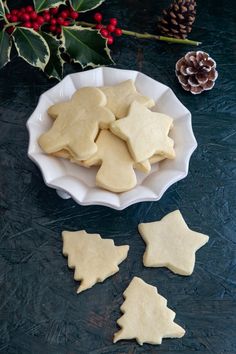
146 316
93 258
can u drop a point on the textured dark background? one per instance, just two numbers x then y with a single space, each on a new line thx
39 309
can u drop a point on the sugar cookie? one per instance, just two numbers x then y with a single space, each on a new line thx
156 158
145 132
77 123
116 172
119 98
93 258
146 316
170 243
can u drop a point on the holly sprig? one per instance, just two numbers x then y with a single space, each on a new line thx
43 32
49 32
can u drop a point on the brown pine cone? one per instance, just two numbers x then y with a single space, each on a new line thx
178 19
196 72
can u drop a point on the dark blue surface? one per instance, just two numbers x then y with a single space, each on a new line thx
40 311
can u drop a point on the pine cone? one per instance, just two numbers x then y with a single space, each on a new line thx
196 72
177 20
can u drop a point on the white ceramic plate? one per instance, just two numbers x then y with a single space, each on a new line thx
71 180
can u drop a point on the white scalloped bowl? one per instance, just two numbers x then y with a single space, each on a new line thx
74 181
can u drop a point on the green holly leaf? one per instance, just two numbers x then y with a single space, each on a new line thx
31 46
5 48
41 5
85 5
54 67
2 9
86 46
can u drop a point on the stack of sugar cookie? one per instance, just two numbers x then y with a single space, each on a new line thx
111 127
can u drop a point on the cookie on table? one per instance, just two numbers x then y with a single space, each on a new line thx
93 258
146 316
171 243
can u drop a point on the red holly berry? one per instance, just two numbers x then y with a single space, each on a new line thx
64 14
66 23
40 20
52 28
113 21
14 12
53 21
46 17
99 26
58 30
74 15
98 17
29 8
111 28
60 21
25 17
8 16
27 24
22 9
110 40
118 32
33 15
14 18
104 32
36 26
54 10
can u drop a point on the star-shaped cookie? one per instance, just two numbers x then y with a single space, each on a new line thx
146 316
93 258
119 98
145 132
170 243
76 124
